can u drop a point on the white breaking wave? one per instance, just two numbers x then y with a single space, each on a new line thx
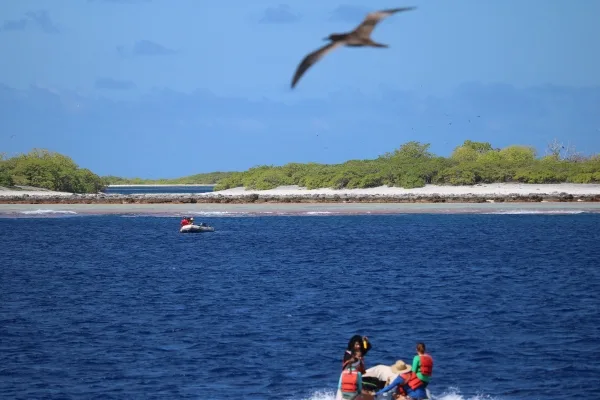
549 212
212 213
255 213
42 212
450 394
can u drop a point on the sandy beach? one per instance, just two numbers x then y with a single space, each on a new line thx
23 191
496 189
498 192
293 200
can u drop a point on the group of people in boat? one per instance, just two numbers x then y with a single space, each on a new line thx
190 221
407 381
187 221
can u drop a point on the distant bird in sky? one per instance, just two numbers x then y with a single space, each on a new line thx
359 37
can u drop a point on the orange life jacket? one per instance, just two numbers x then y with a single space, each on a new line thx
410 379
426 364
413 380
350 380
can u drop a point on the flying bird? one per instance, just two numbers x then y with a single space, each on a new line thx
359 37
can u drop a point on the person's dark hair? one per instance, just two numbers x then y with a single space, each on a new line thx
420 347
354 339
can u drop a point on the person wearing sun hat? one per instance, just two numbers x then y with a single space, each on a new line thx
381 375
405 375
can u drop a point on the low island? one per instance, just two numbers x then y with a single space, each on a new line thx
474 173
480 193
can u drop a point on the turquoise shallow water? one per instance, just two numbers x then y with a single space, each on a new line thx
123 306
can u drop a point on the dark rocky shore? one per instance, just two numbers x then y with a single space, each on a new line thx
307 198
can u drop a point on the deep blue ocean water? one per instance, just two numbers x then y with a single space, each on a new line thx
157 189
121 307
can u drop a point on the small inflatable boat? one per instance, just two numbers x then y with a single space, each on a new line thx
196 228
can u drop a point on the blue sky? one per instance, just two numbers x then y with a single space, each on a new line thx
158 88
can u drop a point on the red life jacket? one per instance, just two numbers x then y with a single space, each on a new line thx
350 381
184 222
413 380
426 364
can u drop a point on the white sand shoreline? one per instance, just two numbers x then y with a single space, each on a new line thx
495 189
501 198
292 200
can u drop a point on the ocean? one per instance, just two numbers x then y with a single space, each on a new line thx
125 307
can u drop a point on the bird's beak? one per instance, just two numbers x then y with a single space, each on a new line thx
326 39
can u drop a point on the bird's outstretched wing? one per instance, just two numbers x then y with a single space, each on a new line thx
366 27
312 58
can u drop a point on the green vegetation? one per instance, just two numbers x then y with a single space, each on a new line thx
209 178
49 170
412 165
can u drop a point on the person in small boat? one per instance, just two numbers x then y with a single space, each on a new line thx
356 342
191 220
412 383
422 365
185 221
355 360
350 383
379 376
407 384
